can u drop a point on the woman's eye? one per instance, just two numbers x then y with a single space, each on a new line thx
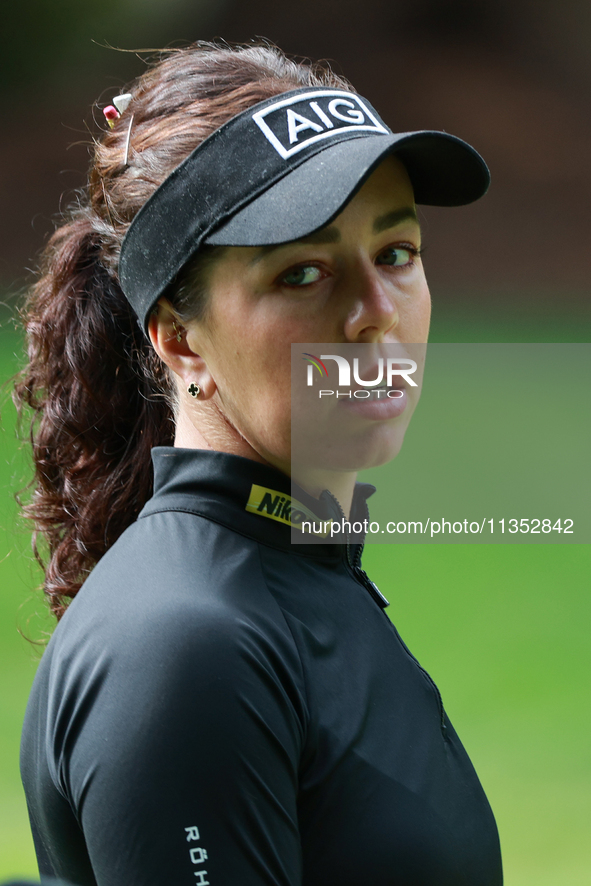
398 256
301 276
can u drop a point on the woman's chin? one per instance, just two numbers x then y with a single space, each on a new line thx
368 449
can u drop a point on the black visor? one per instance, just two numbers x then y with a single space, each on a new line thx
277 172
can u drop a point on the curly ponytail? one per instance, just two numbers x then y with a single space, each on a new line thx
100 397
96 415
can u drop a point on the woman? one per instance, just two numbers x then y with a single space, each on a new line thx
217 705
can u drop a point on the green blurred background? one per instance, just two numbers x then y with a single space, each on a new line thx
502 629
501 433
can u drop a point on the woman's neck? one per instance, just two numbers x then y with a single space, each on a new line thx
222 438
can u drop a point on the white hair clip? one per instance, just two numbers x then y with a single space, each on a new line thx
114 111
121 102
127 140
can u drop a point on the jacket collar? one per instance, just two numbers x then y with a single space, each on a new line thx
228 489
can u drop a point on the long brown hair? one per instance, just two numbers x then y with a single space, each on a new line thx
99 396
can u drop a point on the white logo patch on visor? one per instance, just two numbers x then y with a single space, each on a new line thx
299 121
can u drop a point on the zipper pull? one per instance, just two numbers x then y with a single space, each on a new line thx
371 587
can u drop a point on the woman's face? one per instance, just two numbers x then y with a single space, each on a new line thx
358 280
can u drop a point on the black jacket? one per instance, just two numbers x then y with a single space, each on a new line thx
219 706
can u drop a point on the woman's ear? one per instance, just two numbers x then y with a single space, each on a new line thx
169 339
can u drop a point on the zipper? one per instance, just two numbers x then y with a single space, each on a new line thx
371 586
427 677
353 561
364 579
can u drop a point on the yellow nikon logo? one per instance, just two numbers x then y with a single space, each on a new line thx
281 507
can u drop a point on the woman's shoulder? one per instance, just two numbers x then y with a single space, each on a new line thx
175 581
155 637
175 559
188 612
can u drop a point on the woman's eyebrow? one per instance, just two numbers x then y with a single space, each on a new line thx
391 219
332 234
324 235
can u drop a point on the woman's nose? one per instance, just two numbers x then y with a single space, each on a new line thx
374 310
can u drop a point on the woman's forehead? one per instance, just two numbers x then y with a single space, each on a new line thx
384 202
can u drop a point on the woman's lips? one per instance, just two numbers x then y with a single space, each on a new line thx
381 404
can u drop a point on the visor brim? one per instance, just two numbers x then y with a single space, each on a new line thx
443 170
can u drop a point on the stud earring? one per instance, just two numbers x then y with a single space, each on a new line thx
179 334
194 390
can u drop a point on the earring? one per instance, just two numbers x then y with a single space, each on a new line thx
179 334
194 390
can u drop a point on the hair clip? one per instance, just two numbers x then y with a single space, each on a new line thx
121 102
127 141
111 115
114 111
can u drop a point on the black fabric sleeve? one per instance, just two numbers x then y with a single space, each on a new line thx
183 761
46 881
